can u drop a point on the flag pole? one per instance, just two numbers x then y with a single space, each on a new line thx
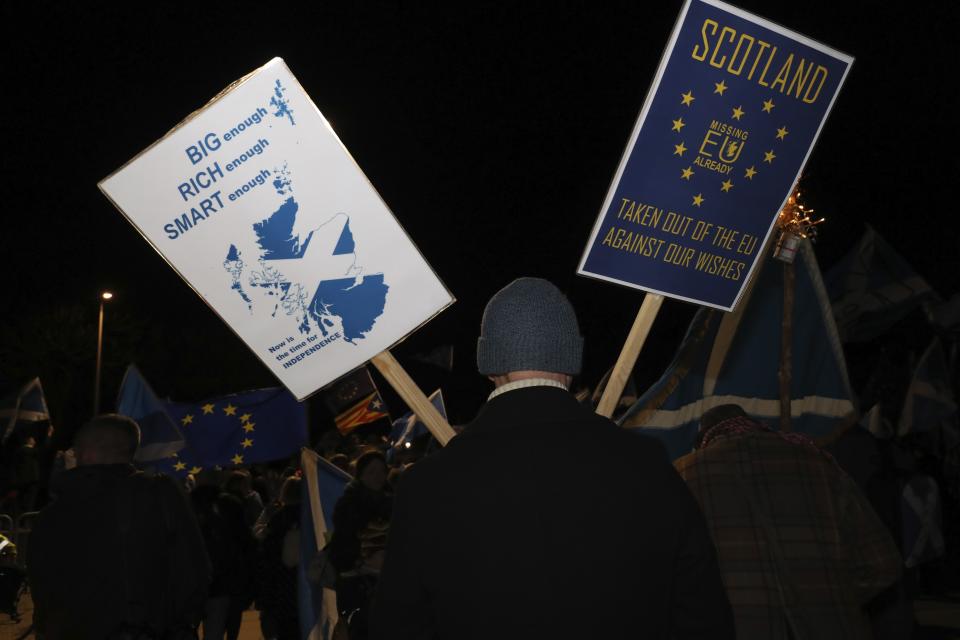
629 354
404 385
785 374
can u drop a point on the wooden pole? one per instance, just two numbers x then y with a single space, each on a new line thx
308 462
628 355
404 385
786 348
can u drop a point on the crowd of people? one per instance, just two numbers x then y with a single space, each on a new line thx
541 519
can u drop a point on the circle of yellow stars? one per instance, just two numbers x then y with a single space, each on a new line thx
208 409
686 100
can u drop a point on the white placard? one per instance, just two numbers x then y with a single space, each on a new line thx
257 204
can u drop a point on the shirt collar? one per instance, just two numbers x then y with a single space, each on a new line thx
524 384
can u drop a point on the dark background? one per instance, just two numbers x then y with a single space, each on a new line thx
492 130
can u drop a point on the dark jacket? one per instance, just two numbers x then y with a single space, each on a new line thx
544 520
355 510
116 548
228 541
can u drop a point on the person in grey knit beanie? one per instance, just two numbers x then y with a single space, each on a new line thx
529 325
482 542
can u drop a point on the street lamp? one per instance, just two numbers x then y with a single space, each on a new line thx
104 297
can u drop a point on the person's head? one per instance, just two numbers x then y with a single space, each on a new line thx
107 439
290 491
238 483
393 477
372 470
340 460
713 417
529 329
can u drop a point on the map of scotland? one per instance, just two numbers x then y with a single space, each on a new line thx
313 277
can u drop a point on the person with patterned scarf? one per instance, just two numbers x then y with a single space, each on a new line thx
801 551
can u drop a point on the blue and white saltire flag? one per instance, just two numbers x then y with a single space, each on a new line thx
160 437
874 422
324 483
28 405
735 358
872 288
929 400
409 427
922 521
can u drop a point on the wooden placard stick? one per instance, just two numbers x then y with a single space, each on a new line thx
404 385
628 355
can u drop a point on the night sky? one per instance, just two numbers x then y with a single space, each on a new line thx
492 130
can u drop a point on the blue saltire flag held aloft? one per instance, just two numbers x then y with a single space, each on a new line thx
323 484
722 362
409 427
872 288
734 110
929 401
160 437
25 407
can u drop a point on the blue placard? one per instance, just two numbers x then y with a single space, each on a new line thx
732 116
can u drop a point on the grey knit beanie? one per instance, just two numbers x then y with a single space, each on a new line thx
529 325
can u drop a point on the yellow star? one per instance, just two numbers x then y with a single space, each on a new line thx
750 173
768 156
207 409
196 470
248 427
237 459
687 98
247 443
245 417
678 149
782 133
180 466
768 106
174 455
737 112
686 173
720 87
187 419
726 185
230 410
678 124
698 199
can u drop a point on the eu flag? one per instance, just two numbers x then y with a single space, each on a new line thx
238 429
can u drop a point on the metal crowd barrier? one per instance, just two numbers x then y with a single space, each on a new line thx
22 535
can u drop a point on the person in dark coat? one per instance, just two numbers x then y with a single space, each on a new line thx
363 502
279 561
542 519
117 553
361 519
230 547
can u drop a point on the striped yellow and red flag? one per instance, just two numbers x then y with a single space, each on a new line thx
367 410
